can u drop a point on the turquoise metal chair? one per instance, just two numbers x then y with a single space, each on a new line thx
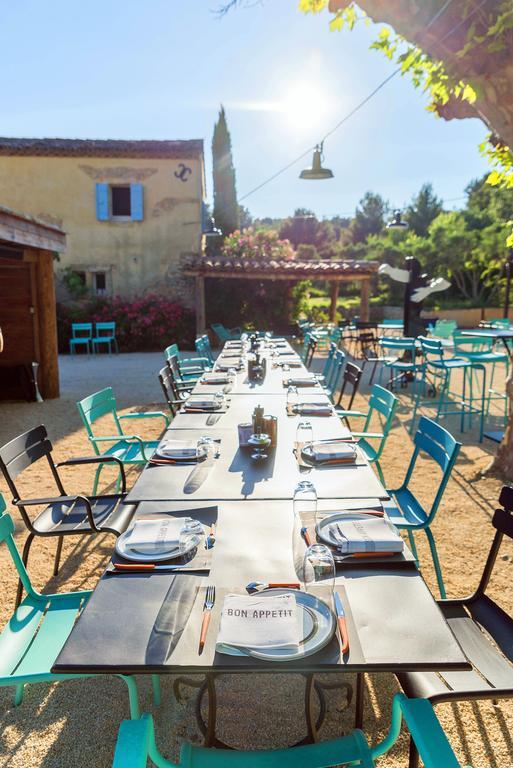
481 351
136 744
226 334
81 335
437 372
105 335
382 403
190 367
37 630
399 360
405 510
443 329
330 359
203 348
130 449
332 383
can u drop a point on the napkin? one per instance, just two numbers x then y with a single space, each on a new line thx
214 378
178 449
227 366
314 409
156 535
201 402
300 381
333 450
259 623
374 534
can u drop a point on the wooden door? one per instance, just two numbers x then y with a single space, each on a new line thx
18 310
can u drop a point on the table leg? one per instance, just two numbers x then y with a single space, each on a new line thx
358 714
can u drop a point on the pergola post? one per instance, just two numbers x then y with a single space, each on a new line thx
335 285
364 301
201 319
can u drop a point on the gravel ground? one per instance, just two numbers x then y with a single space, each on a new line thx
75 723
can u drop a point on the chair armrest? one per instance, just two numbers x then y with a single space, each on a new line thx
58 499
353 414
133 743
425 730
374 435
121 438
146 415
98 460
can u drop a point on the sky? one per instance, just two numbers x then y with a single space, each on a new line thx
158 69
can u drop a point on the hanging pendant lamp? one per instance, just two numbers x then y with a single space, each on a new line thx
317 171
396 222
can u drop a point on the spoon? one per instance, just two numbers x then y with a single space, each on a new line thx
257 586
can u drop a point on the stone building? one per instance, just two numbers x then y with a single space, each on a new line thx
132 210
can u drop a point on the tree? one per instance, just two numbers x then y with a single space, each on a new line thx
369 218
245 217
226 208
423 209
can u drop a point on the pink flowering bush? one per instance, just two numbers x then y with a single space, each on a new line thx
261 244
143 324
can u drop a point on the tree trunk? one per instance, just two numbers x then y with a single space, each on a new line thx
491 74
502 464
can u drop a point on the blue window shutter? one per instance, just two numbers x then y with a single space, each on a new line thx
136 202
102 202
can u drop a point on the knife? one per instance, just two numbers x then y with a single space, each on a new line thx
145 567
341 621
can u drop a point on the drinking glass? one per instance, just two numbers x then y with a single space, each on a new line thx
231 375
207 446
305 500
318 566
292 397
219 398
191 535
304 434
259 442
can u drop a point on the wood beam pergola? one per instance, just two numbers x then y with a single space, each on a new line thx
334 272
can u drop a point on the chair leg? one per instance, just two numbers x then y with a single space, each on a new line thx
436 563
380 472
57 560
360 693
155 682
18 694
413 756
413 546
133 696
97 479
24 557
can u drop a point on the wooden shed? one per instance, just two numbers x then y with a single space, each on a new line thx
27 305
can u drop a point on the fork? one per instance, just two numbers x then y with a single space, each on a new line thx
210 599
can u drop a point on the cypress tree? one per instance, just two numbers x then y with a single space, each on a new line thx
226 208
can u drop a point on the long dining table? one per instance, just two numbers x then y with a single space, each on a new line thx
149 623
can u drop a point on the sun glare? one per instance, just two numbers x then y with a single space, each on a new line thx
306 108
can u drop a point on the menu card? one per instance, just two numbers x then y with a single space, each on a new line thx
334 450
259 623
178 449
372 534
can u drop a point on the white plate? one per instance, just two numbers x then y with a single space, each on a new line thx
169 554
318 628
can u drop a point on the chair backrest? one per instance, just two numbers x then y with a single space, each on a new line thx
7 537
398 344
203 348
466 344
329 361
439 445
310 352
23 451
167 384
93 407
445 328
81 330
337 368
221 332
432 349
352 375
171 350
105 329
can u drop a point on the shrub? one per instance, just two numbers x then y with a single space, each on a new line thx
143 324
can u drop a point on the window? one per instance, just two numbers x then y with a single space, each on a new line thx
100 283
121 204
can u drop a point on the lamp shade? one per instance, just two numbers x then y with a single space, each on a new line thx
316 171
396 222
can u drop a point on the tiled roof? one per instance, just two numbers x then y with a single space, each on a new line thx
101 148
317 270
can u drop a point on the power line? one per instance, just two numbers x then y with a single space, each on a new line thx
371 95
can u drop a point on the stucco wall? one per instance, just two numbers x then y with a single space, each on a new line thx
142 255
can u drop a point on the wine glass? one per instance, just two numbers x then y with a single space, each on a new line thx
191 535
292 397
305 500
304 435
318 566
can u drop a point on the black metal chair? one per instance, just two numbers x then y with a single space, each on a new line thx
352 375
171 392
310 352
474 620
63 515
